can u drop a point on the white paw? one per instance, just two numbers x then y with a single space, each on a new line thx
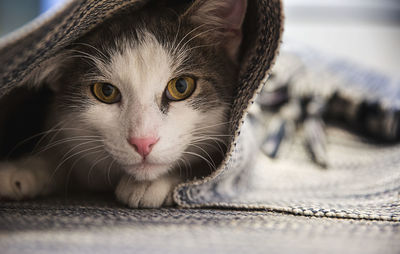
17 183
146 194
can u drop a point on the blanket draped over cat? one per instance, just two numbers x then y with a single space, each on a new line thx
33 46
245 178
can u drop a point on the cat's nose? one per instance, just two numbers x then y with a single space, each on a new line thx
144 145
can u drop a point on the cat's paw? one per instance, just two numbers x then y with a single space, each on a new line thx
17 184
146 194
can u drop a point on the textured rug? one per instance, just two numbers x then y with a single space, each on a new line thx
100 225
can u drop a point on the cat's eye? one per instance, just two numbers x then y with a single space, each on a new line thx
180 88
106 93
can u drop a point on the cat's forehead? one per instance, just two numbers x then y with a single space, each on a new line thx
145 63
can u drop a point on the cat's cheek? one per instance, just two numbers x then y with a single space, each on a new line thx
180 121
104 120
101 114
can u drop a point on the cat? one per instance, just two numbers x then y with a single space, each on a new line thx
138 101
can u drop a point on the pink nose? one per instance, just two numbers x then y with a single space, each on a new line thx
143 146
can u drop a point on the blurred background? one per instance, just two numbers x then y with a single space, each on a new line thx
15 13
366 32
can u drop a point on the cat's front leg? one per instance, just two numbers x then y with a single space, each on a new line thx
25 178
147 194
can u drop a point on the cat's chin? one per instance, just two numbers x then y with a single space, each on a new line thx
146 171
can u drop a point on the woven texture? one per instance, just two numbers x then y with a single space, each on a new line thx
100 225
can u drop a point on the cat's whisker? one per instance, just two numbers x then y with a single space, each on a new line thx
178 163
109 172
73 155
73 165
187 52
203 46
57 143
30 138
45 133
196 36
188 167
205 134
79 56
126 183
199 136
211 165
206 153
220 137
93 58
182 48
116 149
93 78
66 140
84 58
218 147
178 30
55 133
77 146
210 126
219 103
83 156
93 47
94 165
174 50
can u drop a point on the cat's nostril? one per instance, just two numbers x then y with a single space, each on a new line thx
135 147
143 146
18 184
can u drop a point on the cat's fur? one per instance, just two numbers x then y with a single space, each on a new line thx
86 144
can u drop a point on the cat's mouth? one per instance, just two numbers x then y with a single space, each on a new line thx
146 170
144 165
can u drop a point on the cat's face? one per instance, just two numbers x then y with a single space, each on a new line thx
156 96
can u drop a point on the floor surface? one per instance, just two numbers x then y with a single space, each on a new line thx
97 224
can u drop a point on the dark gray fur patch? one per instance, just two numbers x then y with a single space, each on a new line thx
164 105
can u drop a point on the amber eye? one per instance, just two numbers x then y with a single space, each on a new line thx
180 88
106 93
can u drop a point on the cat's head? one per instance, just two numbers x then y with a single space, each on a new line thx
156 88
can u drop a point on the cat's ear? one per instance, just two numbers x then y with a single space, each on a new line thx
48 73
220 20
